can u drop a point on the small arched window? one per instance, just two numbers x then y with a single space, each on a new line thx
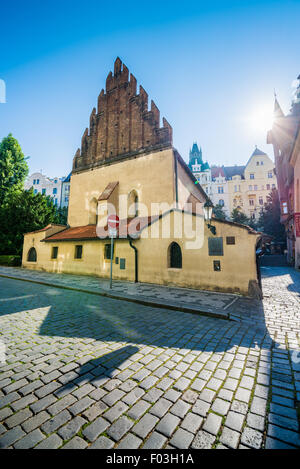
221 202
133 204
31 256
93 212
174 256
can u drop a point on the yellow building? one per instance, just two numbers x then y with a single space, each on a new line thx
128 166
244 187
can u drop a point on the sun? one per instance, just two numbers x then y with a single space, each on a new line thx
261 119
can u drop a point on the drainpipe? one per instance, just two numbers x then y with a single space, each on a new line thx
135 260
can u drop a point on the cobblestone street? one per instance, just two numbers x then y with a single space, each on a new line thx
85 371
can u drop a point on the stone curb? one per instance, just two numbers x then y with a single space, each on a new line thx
132 299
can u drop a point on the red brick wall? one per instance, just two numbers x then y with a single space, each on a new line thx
122 124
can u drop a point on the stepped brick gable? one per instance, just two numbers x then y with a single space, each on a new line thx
122 125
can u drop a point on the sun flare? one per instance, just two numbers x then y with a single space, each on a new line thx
261 120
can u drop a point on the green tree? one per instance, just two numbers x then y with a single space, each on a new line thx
22 213
218 212
13 168
239 217
62 214
269 220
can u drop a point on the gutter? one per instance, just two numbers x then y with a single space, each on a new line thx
136 276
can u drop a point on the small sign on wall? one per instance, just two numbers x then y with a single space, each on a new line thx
215 247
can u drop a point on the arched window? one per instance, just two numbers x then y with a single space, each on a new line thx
93 212
174 256
31 256
221 202
133 204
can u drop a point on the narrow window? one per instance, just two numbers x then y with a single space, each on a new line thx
107 248
54 252
175 256
31 256
78 252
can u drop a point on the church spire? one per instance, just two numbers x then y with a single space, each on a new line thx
278 112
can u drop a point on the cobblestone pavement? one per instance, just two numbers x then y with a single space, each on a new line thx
84 371
187 296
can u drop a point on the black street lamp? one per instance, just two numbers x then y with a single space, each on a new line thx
208 209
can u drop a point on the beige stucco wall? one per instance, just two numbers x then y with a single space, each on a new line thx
151 175
238 265
91 263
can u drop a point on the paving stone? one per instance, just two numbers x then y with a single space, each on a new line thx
182 384
8 399
258 406
180 408
201 408
212 424
153 395
18 418
283 434
41 404
47 389
130 442
76 443
57 421
182 439
61 404
92 431
168 424
35 421
71 428
116 411
198 384
30 440
138 409
235 421
102 443
240 407
291 424
230 438
145 425
203 440
118 429
81 405
172 395
133 396
252 438
11 436
192 422
281 410
271 443
155 441
52 442
220 407
95 410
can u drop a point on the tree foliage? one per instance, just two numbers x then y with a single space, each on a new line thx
13 168
269 220
218 212
22 213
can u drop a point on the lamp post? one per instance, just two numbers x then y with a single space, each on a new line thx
207 209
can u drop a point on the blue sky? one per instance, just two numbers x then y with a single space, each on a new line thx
211 67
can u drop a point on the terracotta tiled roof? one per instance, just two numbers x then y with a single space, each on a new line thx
45 228
127 227
108 190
